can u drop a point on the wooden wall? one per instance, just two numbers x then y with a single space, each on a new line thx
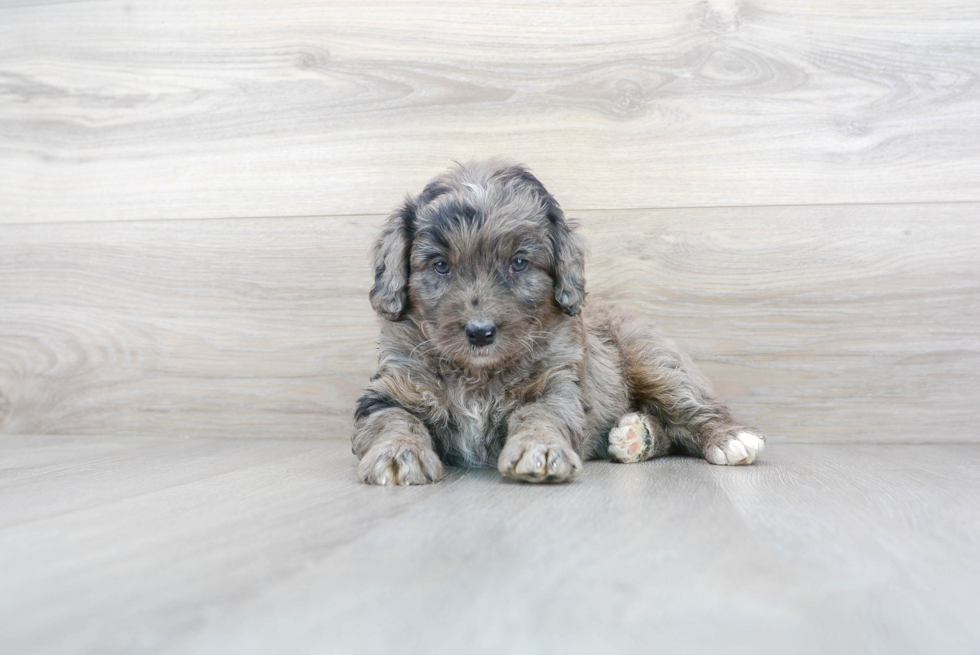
188 191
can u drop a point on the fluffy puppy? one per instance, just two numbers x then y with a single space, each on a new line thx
489 356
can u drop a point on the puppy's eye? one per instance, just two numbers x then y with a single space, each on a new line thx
441 267
519 265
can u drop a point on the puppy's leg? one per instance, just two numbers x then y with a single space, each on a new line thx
637 437
668 385
542 438
395 448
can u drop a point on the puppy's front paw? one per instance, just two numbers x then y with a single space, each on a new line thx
534 459
394 463
742 448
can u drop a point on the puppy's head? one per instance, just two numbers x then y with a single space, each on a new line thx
483 260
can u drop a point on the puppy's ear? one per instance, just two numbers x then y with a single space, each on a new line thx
569 264
389 296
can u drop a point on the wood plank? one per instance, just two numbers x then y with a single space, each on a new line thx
818 550
256 327
159 109
817 323
911 514
244 546
119 554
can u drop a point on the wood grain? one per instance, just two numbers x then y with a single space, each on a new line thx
155 109
818 323
150 545
193 526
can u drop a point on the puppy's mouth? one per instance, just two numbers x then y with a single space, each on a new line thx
486 350
481 356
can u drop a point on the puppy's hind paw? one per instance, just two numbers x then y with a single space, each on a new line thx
743 448
633 439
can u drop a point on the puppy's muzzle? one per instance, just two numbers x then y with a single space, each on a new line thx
480 333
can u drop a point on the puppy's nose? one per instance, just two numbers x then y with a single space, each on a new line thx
480 333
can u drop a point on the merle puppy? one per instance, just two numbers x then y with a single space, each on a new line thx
490 356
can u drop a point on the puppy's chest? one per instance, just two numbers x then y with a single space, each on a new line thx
475 428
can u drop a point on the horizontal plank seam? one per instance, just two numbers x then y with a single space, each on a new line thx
570 212
773 441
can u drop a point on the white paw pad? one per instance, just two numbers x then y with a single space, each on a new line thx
743 448
632 439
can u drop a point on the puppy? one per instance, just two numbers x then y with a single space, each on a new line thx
489 355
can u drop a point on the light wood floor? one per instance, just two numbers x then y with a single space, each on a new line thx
153 545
